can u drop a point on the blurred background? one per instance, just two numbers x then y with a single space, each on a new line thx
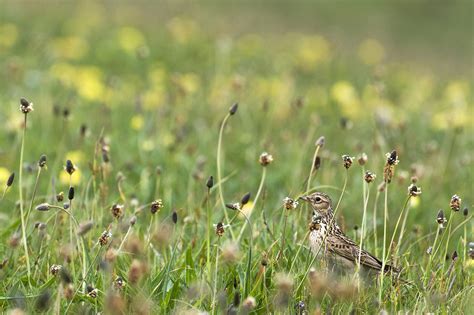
155 75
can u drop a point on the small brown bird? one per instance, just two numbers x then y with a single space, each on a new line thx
327 237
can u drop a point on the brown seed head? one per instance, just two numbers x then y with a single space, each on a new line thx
105 237
414 191
289 203
42 161
369 177
25 106
265 159
362 159
55 269
455 203
220 230
347 161
117 211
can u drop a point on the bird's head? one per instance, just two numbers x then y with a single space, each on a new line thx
320 202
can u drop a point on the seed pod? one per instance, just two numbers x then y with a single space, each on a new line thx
24 102
455 203
347 161
265 159
42 160
232 206
245 199
454 256
220 230
233 108
236 301
156 206
210 182
70 167
320 142
465 211
83 130
60 197
392 158
43 207
317 163
70 195
174 217
10 179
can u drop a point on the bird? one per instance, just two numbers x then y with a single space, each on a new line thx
327 238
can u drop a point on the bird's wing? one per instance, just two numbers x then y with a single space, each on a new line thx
342 246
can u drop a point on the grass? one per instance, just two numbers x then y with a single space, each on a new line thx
145 116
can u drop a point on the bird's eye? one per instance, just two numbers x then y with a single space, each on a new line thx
318 199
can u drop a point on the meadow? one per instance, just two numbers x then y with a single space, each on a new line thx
145 170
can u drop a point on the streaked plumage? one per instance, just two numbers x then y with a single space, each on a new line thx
328 240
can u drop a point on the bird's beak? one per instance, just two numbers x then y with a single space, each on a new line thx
304 198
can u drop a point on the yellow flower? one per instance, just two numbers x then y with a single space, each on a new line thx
371 52
414 202
347 98
130 39
137 122
456 93
8 35
153 98
182 30
70 47
89 84
188 82
247 209
312 51
75 178
148 145
4 174
75 156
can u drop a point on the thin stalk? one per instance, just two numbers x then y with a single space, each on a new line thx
149 232
298 251
308 185
214 291
124 239
449 236
283 235
209 226
249 262
396 226
366 194
377 195
84 280
342 192
257 196
33 196
219 171
402 231
4 192
20 182
165 279
430 259
382 274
